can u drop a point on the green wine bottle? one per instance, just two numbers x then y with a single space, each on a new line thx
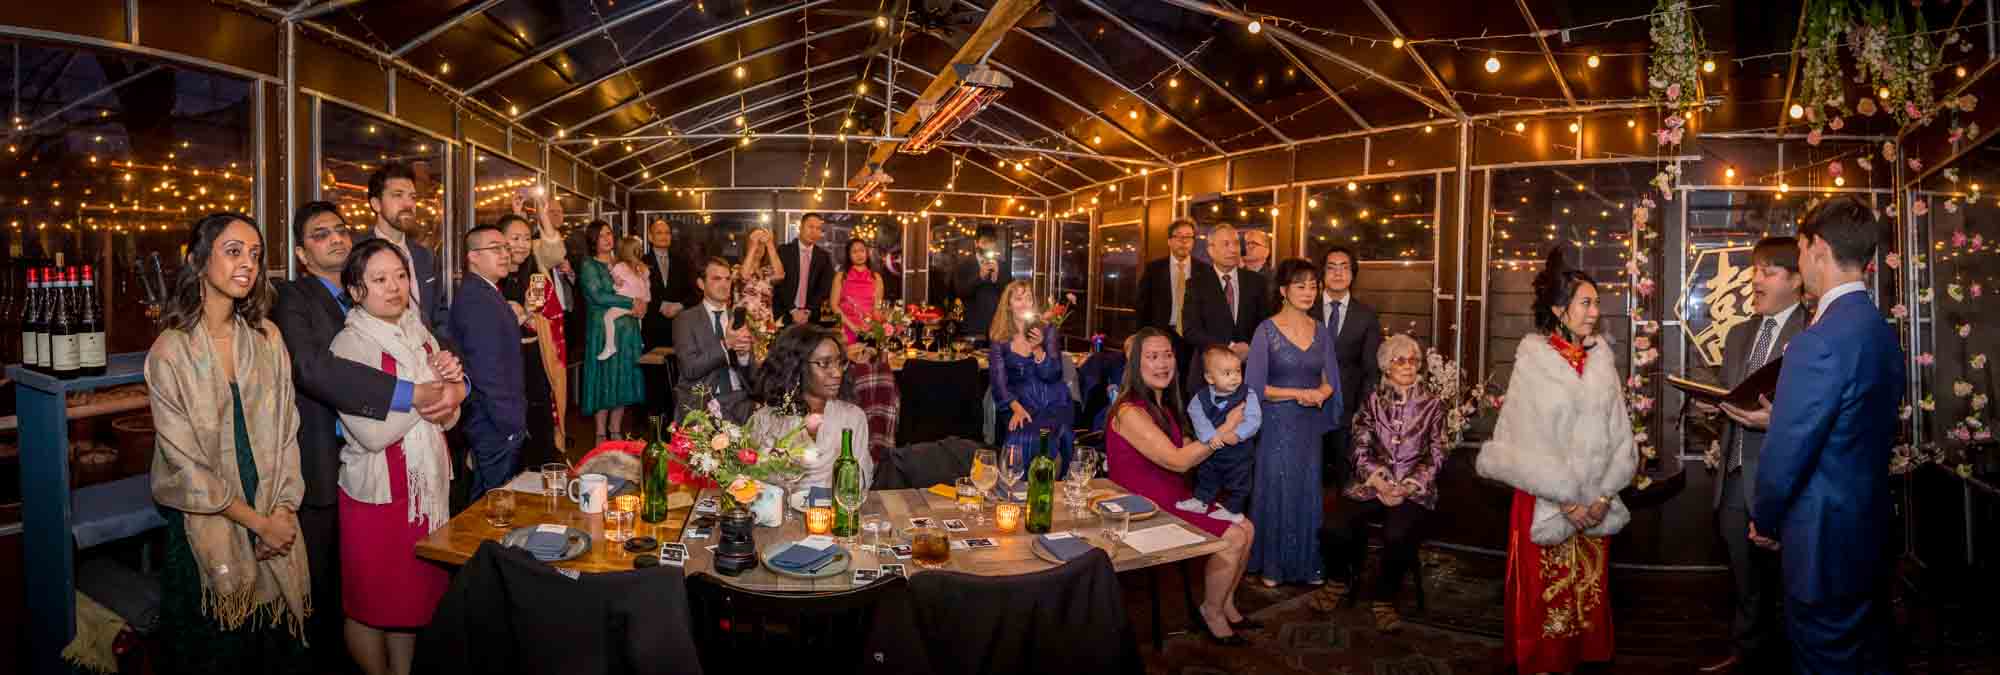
1041 487
846 481
653 484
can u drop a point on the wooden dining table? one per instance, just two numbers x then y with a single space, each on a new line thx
459 539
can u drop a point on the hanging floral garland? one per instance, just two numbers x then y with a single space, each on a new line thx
1675 70
1899 61
1822 80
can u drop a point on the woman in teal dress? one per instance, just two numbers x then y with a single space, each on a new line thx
235 590
609 385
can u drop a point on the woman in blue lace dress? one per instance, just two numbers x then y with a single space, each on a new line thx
1025 370
1291 367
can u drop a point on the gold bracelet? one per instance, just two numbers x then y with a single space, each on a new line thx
1606 499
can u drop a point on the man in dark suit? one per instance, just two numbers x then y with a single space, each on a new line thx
672 284
1163 286
808 274
977 281
392 194
309 312
1224 301
490 328
1357 336
1257 252
1822 485
1776 287
712 350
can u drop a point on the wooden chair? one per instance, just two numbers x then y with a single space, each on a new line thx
775 632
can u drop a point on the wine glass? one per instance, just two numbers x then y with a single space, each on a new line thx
929 336
789 479
850 497
1013 467
985 473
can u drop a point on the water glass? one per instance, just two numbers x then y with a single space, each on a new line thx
500 507
555 479
1114 526
874 527
618 525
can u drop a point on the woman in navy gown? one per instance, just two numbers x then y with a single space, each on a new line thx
1292 367
1025 375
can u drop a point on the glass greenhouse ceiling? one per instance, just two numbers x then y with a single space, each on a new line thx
1179 80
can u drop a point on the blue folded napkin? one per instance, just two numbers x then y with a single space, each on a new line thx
819 494
797 558
1066 548
1133 504
546 545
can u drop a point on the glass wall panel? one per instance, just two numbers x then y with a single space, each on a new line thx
1958 293
953 246
109 177
496 181
1391 228
884 235
1587 209
354 145
1118 274
1072 262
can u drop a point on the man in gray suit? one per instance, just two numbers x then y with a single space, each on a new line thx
1776 290
713 349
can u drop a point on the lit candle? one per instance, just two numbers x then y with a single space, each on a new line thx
819 520
1007 516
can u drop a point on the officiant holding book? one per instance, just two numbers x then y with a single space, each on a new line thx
1775 295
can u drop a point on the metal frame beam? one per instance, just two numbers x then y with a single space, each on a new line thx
1449 107
449 23
1554 68
761 105
568 41
670 118
1425 66
304 11
1185 65
1158 109
1009 110
669 50
761 53
1313 74
86 98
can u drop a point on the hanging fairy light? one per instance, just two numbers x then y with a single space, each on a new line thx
1256 26
1708 66
1796 111
1520 127
1397 43
1492 64
1593 61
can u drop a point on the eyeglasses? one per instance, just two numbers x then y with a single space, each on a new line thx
321 235
826 364
494 247
1185 237
1405 360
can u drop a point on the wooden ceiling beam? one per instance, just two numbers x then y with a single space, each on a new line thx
1004 15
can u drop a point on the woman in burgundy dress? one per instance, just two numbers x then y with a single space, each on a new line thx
395 474
1148 452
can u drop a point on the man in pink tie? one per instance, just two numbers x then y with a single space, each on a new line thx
808 273
1224 302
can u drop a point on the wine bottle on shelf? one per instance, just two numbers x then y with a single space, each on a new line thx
31 324
44 349
90 343
62 331
1041 486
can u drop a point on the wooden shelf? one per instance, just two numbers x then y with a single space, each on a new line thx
77 412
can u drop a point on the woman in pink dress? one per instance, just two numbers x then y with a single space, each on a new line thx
395 474
1149 453
860 289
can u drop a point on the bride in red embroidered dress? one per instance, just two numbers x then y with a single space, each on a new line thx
1564 443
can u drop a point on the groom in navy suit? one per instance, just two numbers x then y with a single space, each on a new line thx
1822 493
489 328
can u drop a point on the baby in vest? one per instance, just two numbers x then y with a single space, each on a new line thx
1225 416
628 278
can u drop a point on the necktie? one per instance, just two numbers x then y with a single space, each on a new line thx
660 257
715 316
805 259
1180 286
1765 334
1333 316
1229 294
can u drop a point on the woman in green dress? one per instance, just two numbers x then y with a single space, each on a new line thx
609 385
235 589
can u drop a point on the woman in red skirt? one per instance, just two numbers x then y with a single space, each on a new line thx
1564 443
395 473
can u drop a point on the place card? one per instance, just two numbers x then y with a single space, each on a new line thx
552 528
695 533
1060 535
903 551
893 569
673 554
979 542
817 542
920 521
958 544
863 577
1161 538
956 525
709 505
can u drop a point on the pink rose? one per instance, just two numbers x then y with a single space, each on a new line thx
1925 358
1983 435
1888 150
1976 290
746 456
1663 136
1957 133
813 422
1866 107
1899 311
1895 260
1835 168
1960 434
1965 330
1646 288
1836 123
1916 164
1978 241
1674 92
1642 404
1813 137
1921 206
1958 239
1910 109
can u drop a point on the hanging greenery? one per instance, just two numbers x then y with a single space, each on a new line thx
1674 74
1822 80
1897 61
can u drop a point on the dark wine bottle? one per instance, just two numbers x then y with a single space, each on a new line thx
90 327
45 316
31 323
65 359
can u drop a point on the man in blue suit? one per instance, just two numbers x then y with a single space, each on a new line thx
489 329
392 194
1822 492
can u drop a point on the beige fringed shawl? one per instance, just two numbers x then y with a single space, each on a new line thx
195 467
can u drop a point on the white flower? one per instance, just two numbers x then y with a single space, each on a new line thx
1961 388
811 455
1979 401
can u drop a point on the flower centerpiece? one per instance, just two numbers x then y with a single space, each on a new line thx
1059 312
711 451
924 314
887 324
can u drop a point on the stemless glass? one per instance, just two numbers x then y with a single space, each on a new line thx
500 507
875 526
555 480
970 498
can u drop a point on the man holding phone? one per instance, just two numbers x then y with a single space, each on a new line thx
977 283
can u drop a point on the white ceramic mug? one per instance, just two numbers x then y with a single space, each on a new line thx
588 491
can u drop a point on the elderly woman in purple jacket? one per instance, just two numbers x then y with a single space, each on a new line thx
1399 445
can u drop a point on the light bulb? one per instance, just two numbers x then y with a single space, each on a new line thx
1573 127
1173 83
1427 128
1631 123
881 21
861 88
1520 127
739 72
1256 27
1133 113
1796 111
1492 64
1096 140
1593 61
1882 93
1352 186
1397 43
1708 66
1784 187
1839 181
1729 172
1961 72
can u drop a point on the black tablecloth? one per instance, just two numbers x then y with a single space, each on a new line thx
940 399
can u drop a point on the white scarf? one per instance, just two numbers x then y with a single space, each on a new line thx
1564 438
427 468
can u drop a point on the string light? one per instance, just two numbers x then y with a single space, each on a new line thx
1796 111
1492 64
1397 43
1593 61
1256 26
1520 127
1708 66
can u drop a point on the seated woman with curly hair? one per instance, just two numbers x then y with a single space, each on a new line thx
804 377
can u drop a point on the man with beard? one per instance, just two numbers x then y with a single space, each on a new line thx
392 194
309 312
